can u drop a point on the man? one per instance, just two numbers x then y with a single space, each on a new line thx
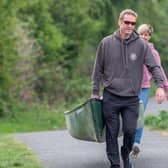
119 64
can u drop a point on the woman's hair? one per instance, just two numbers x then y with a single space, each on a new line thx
145 28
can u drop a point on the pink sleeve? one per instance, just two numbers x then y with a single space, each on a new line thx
156 56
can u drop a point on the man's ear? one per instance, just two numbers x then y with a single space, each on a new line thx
119 22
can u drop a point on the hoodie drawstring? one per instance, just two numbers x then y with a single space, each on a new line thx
124 55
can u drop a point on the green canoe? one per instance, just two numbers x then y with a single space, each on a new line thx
85 122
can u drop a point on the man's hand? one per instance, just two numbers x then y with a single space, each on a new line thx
160 95
95 97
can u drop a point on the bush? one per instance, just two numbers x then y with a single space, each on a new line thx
159 122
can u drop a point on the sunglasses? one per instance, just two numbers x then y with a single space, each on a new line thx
129 23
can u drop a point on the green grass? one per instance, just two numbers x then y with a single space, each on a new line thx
159 122
14 154
30 118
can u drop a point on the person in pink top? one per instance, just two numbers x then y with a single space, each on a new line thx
145 31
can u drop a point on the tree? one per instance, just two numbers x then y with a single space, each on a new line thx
8 54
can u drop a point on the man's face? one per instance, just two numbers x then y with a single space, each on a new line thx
127 25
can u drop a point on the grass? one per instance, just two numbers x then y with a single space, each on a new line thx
30 118
14 154
159 122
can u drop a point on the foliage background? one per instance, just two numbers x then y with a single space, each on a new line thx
48 47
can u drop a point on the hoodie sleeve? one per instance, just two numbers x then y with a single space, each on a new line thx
98 69
158 62
153 67
165 81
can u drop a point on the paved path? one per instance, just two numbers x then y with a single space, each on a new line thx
57 149
154 108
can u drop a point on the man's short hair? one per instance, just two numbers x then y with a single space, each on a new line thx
127 11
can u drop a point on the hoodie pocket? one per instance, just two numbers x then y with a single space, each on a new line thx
124 86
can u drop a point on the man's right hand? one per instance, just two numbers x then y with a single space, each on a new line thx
95 96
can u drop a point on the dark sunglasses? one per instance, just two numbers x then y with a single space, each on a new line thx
128 23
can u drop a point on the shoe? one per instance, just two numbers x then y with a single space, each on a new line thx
135 150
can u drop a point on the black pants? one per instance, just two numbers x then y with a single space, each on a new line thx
128 108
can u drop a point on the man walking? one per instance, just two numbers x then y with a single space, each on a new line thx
119 64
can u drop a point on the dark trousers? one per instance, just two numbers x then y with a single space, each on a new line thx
127 107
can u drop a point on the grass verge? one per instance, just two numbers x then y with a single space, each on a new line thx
16 155
159 122
34 117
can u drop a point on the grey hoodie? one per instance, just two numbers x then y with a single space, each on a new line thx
119 64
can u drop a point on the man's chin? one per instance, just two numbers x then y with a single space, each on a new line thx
128 33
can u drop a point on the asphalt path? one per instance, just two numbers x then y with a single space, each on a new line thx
57 149
153 108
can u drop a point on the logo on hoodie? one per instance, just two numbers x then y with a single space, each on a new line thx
133 56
